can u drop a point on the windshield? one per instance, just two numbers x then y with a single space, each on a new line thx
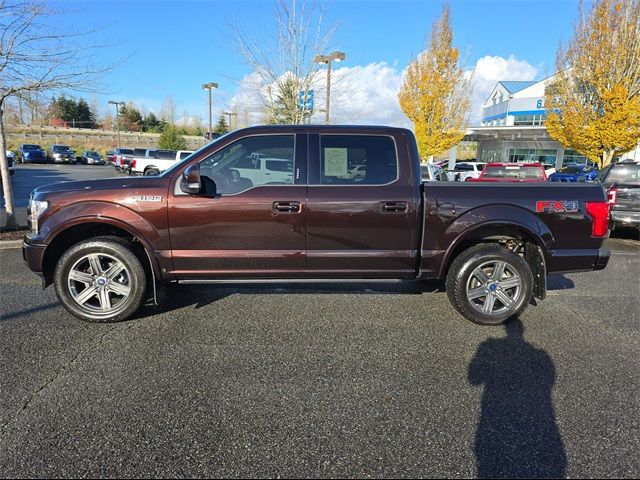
624 174
518 172
31 147
61 148
169 171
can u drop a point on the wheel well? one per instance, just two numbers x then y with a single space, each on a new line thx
76 234
515 239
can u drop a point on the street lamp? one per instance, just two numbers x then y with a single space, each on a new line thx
111 102
338 57
210 86
230 114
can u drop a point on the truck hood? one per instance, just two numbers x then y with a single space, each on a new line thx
103 184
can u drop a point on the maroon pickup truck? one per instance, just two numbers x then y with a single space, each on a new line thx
281 203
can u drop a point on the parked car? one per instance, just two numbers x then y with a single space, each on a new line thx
623 181
11 161
511 172
549 168
110 158
91 157
464 170
31 153
59 153
430 172
109 245
122 159
356 171
156 161
575 172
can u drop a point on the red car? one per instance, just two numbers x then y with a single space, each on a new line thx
511 172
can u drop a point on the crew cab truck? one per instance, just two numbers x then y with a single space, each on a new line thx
109 245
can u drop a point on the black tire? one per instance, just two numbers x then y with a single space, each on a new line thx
132 277
463 282
151 171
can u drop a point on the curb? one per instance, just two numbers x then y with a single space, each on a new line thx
10 244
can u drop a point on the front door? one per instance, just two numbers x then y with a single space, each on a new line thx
255 227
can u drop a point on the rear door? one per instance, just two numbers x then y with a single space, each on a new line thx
361 226
253 227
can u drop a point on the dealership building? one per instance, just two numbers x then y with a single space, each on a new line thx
512 128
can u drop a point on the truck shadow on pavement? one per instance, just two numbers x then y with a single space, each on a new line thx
517 435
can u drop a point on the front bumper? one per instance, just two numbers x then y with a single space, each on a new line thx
33 254
625 218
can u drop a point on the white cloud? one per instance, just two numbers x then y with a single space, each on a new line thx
488 71
368 94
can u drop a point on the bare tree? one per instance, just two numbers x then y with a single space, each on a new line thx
168 110
34 58
283 65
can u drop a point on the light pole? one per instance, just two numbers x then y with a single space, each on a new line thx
230 114
210 86
338 57
111 102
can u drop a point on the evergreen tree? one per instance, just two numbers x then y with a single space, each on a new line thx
221 127
172 140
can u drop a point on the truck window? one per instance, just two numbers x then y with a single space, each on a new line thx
237 167
374 155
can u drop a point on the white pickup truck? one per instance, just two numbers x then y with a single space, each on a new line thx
155 161
464 170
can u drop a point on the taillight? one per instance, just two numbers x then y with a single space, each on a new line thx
612 194
599 212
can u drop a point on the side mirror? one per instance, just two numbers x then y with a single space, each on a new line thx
190 182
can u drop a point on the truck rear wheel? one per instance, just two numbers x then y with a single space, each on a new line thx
489 284
152 171
100 280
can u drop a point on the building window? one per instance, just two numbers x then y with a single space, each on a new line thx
491 155
529 119
533 155
572 156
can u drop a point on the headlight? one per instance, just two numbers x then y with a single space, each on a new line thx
36 208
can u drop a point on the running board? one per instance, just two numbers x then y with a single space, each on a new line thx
229 281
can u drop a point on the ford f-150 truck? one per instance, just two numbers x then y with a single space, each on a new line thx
110 245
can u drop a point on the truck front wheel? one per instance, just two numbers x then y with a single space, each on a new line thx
100 280
489 284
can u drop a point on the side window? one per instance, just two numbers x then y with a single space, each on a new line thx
250 162
357 160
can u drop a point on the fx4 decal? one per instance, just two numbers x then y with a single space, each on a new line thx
557 206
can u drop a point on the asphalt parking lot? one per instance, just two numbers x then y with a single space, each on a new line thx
330 380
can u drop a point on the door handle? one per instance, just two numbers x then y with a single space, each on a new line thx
286 207
394 207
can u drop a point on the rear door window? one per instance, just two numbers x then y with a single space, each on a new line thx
357 160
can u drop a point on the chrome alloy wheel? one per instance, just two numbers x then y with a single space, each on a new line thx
99 283
494 287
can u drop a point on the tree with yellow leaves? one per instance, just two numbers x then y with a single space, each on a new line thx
436 93
593 103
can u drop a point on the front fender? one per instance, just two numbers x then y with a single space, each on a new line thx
149 235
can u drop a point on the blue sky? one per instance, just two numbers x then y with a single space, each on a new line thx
172 47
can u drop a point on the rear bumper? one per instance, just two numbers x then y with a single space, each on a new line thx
577 260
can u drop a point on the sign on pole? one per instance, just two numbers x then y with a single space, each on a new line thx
305 103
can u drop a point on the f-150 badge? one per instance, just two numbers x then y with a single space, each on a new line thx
556 206
147 198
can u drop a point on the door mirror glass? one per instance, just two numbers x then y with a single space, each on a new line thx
190 182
